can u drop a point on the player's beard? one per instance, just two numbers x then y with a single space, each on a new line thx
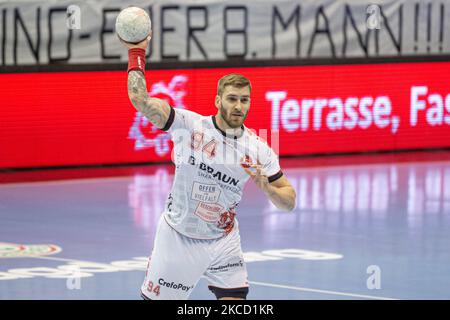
227 117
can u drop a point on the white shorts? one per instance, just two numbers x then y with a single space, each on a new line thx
178 262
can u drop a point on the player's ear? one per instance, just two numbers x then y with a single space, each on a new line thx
217 102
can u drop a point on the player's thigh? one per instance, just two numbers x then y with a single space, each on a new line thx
175 266
227 275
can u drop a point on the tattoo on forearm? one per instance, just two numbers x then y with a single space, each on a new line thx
136 82
137 91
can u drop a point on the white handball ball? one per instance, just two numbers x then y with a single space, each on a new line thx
133 24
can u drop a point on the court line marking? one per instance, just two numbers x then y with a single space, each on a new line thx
252 282
320 291
273 285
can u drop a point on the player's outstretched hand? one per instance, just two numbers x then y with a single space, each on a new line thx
260 180
143 44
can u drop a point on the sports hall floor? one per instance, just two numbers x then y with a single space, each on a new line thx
365 227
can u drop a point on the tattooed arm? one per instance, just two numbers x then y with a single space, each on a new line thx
154 109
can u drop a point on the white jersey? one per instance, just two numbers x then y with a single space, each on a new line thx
209 176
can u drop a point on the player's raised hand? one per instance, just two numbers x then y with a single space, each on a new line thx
256 174
142 45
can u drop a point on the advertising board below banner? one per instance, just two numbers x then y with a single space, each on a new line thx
86 118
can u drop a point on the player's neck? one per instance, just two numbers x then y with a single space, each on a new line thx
225 128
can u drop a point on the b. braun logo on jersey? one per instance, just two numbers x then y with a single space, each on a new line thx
143 132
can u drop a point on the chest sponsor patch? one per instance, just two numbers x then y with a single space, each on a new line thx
209 212
208 193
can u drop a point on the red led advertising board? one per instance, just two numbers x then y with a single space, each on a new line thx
82 118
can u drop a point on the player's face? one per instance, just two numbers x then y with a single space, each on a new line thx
234 105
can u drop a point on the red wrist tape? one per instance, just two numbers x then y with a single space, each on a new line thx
136 59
